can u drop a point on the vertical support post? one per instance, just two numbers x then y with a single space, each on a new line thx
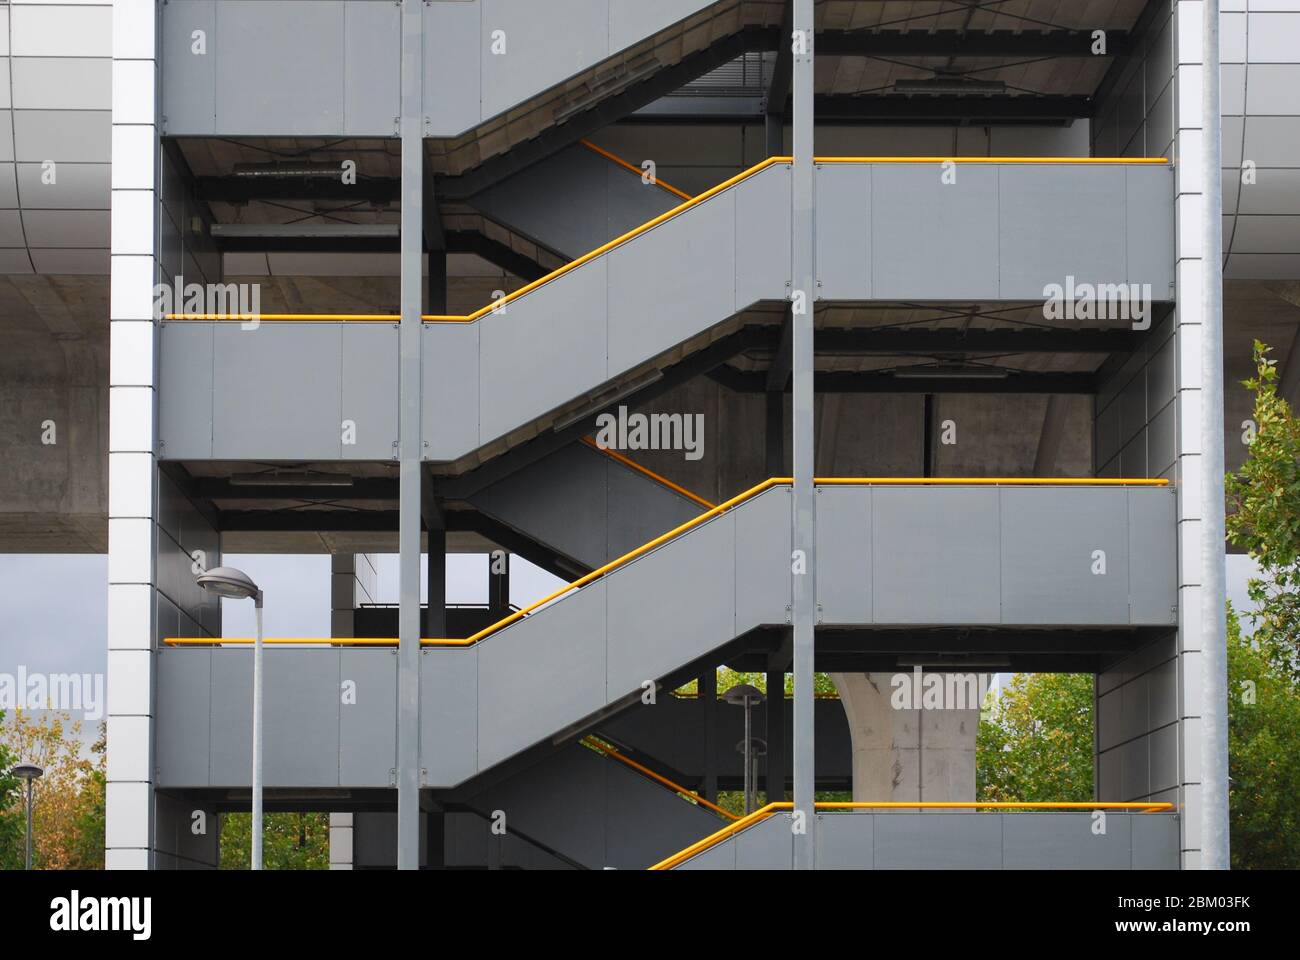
708 692
803 445
436 591
774 784
409 446
1214 711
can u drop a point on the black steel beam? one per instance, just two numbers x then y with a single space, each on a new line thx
232 189
967 43
956 107
875 382
1008 340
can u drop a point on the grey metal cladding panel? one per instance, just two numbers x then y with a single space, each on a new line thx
721 856
189 80
262 91
1155 841
302 703
843 231
930 238
768 845
183 704
1164 758
639 508
1153 555
846 841
276 391
934 555
630 201
844 554
938 841
672 282
542 350
1057 221
763 560
539 675
545 44
185 390
369 390
1065 841
763 236
372 57
671 605
450 373
368 727
230 753
1049 535
449 714
1162 442
1150 225
451 67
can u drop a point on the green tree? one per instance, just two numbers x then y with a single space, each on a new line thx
1264 517
290 841
1035 742
1263 754
13 829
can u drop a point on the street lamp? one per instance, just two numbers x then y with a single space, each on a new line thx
747 696
28 772
229 582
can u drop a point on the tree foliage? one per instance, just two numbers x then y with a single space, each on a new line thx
1035 742
68 800
290 841
1264 516
1263 754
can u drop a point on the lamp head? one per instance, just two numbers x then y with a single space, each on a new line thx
229 582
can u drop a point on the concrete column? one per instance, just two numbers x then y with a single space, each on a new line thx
906 754
341 841
132 468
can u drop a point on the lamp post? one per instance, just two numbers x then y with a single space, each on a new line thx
746 695
229 582
28 772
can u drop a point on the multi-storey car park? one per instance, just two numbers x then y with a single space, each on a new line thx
465 230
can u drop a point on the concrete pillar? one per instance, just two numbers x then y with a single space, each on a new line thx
907 754
341 841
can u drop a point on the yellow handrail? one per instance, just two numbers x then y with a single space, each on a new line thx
648 225
695 522
1116 161
763 813
646 471
615 158
602 747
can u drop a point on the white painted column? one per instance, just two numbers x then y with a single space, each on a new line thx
132 471
1189 245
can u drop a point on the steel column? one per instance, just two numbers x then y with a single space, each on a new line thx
803 519
409 448
1214 711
